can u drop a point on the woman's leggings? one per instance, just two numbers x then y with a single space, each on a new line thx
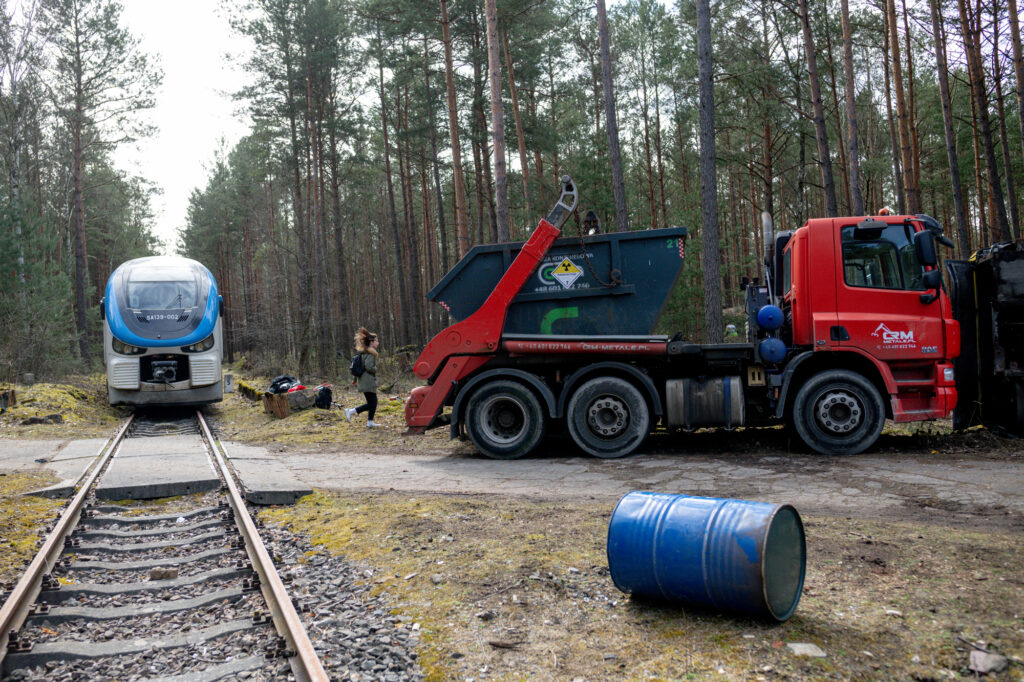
369 406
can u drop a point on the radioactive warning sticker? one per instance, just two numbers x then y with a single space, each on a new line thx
566 273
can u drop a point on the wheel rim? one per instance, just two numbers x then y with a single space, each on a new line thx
607 416
503 419
839 412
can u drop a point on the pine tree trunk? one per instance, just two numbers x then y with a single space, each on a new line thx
401 335
841 142
979 182
345 330
1018 65
1004 143
458 179
857 206
709 178
442 227
915 133
520 134
659 157
78 230
901 201
503 216
644 107
412 271
902 117
947 121
973 49
611 122
824 159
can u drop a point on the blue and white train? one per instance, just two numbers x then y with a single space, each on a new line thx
163 335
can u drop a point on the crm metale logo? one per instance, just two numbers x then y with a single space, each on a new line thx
889 336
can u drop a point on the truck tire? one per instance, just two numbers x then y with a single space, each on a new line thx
838 412
504 420
608 417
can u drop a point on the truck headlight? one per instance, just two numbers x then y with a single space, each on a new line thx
947 374
126 348
199 347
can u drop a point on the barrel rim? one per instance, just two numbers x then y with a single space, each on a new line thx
764 562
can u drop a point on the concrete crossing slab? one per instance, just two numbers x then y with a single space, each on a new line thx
68 460
148 468
264 477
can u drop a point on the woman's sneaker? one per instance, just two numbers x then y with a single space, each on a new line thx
373 425
349 411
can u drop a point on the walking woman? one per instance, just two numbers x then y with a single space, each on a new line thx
366 346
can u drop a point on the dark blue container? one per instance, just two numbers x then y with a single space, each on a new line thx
610 284
746 557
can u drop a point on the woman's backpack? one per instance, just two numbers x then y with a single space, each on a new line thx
356 366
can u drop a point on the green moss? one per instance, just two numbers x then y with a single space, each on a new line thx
23 519
81 402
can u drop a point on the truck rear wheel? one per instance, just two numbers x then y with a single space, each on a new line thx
838 412
608 417
504 420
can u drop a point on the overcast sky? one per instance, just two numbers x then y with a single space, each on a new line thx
194 110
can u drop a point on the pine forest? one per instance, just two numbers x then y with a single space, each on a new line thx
390 136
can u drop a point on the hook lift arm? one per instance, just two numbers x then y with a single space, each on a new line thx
465 346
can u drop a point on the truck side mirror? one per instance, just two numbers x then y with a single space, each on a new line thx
924 244
932 280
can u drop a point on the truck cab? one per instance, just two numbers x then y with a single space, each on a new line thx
863 296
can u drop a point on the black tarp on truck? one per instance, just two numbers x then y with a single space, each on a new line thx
987 294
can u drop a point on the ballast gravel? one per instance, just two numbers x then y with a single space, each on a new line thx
155 625
164 663
155 596
355 634
110 576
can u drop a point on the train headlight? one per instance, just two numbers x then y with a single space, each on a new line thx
126 348
205 344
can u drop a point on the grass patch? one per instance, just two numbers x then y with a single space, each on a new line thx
521 588
23 519
81 401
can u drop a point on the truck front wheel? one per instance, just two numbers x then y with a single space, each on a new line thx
504 420
838 412
608 417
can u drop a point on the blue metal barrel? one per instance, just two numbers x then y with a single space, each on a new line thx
610 284
737 555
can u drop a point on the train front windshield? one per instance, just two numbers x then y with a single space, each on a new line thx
163 294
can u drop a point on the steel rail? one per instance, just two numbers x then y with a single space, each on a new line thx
16 607
305 664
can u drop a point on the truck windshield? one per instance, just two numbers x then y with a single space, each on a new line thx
888 262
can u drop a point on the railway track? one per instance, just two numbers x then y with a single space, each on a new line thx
188 594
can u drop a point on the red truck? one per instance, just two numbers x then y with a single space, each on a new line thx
851 327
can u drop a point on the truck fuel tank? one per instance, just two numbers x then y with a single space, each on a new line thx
695 403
